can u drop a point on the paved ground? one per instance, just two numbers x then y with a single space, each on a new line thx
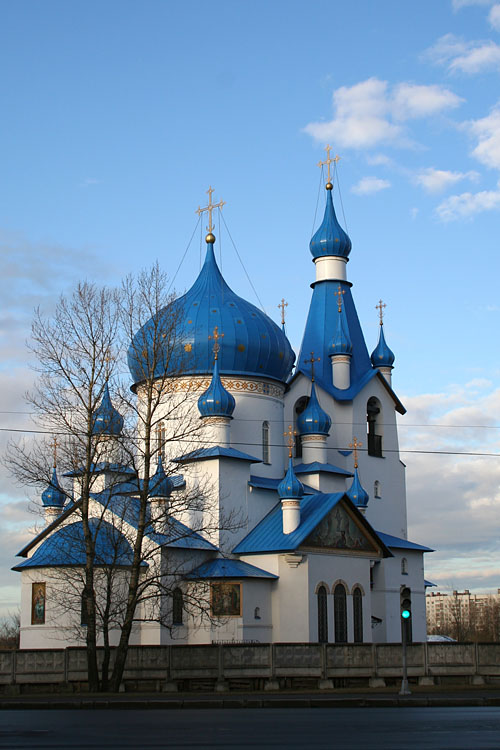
332 728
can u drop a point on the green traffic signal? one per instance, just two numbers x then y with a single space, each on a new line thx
405 614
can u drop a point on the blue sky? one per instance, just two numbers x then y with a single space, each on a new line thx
117 116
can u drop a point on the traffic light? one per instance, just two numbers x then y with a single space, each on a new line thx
405 602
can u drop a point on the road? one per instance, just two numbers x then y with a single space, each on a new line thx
318 728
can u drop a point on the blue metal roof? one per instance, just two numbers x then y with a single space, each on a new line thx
224 568
160 485
266 483
341 341
100 468
357 492
429 584
106 419
66 547
290 488
398 543
53 496
176 534
268 535
253 343
330 238
382 356
314 420
315 467
217 451
216 400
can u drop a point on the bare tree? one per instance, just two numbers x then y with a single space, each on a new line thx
124 563
9 630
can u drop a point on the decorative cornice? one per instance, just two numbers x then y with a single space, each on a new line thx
236 385
313 438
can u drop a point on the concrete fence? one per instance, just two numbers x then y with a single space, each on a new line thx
257 666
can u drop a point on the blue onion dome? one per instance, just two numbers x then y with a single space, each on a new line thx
341 342
216 401
106 419
382 355
160 484
290 488
357 493
330 238
53 496
313 420
253 344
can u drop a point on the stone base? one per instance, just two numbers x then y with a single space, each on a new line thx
325 684
426 681
272 685
376 682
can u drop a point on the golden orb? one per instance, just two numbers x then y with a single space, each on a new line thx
210 238
329 186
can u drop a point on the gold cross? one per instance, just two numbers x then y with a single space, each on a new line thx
329 161
210 208
290 434
312 361
355 445
55 445
380 308
339 293
108 358
216 336
282 306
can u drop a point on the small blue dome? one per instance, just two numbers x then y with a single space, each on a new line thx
216 401
290 488
357 493
382 355
107 420
341 342
53 496
330 238
313 420
160 484
253 343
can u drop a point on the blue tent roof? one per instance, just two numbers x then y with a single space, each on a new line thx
268 535
224 568
66 547
217 452
397 543
316 466
176 534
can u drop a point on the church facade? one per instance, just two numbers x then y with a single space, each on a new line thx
307 458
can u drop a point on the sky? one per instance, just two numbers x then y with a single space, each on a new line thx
116 117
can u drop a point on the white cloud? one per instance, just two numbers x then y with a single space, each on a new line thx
494 17
414 212
370 185
458 4
379 160
412 101
487 131
369 113
466 205
436 180
463 56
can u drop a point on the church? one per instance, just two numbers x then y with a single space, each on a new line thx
303 450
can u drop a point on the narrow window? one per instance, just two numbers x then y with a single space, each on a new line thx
266 452
160 440
404 566
374 427
300 405
357 602
177 607
376 489
322 615
340 613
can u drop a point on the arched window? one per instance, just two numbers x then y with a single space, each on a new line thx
177 607
266 452
160 440
300 405
374 427
357 603
377 489
322 615
404 566
340 613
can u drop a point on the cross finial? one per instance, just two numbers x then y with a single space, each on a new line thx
329 161
216 336
380 308
339 294
108 358
290 434
282 306
312 361
355 445
210 207
55 445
